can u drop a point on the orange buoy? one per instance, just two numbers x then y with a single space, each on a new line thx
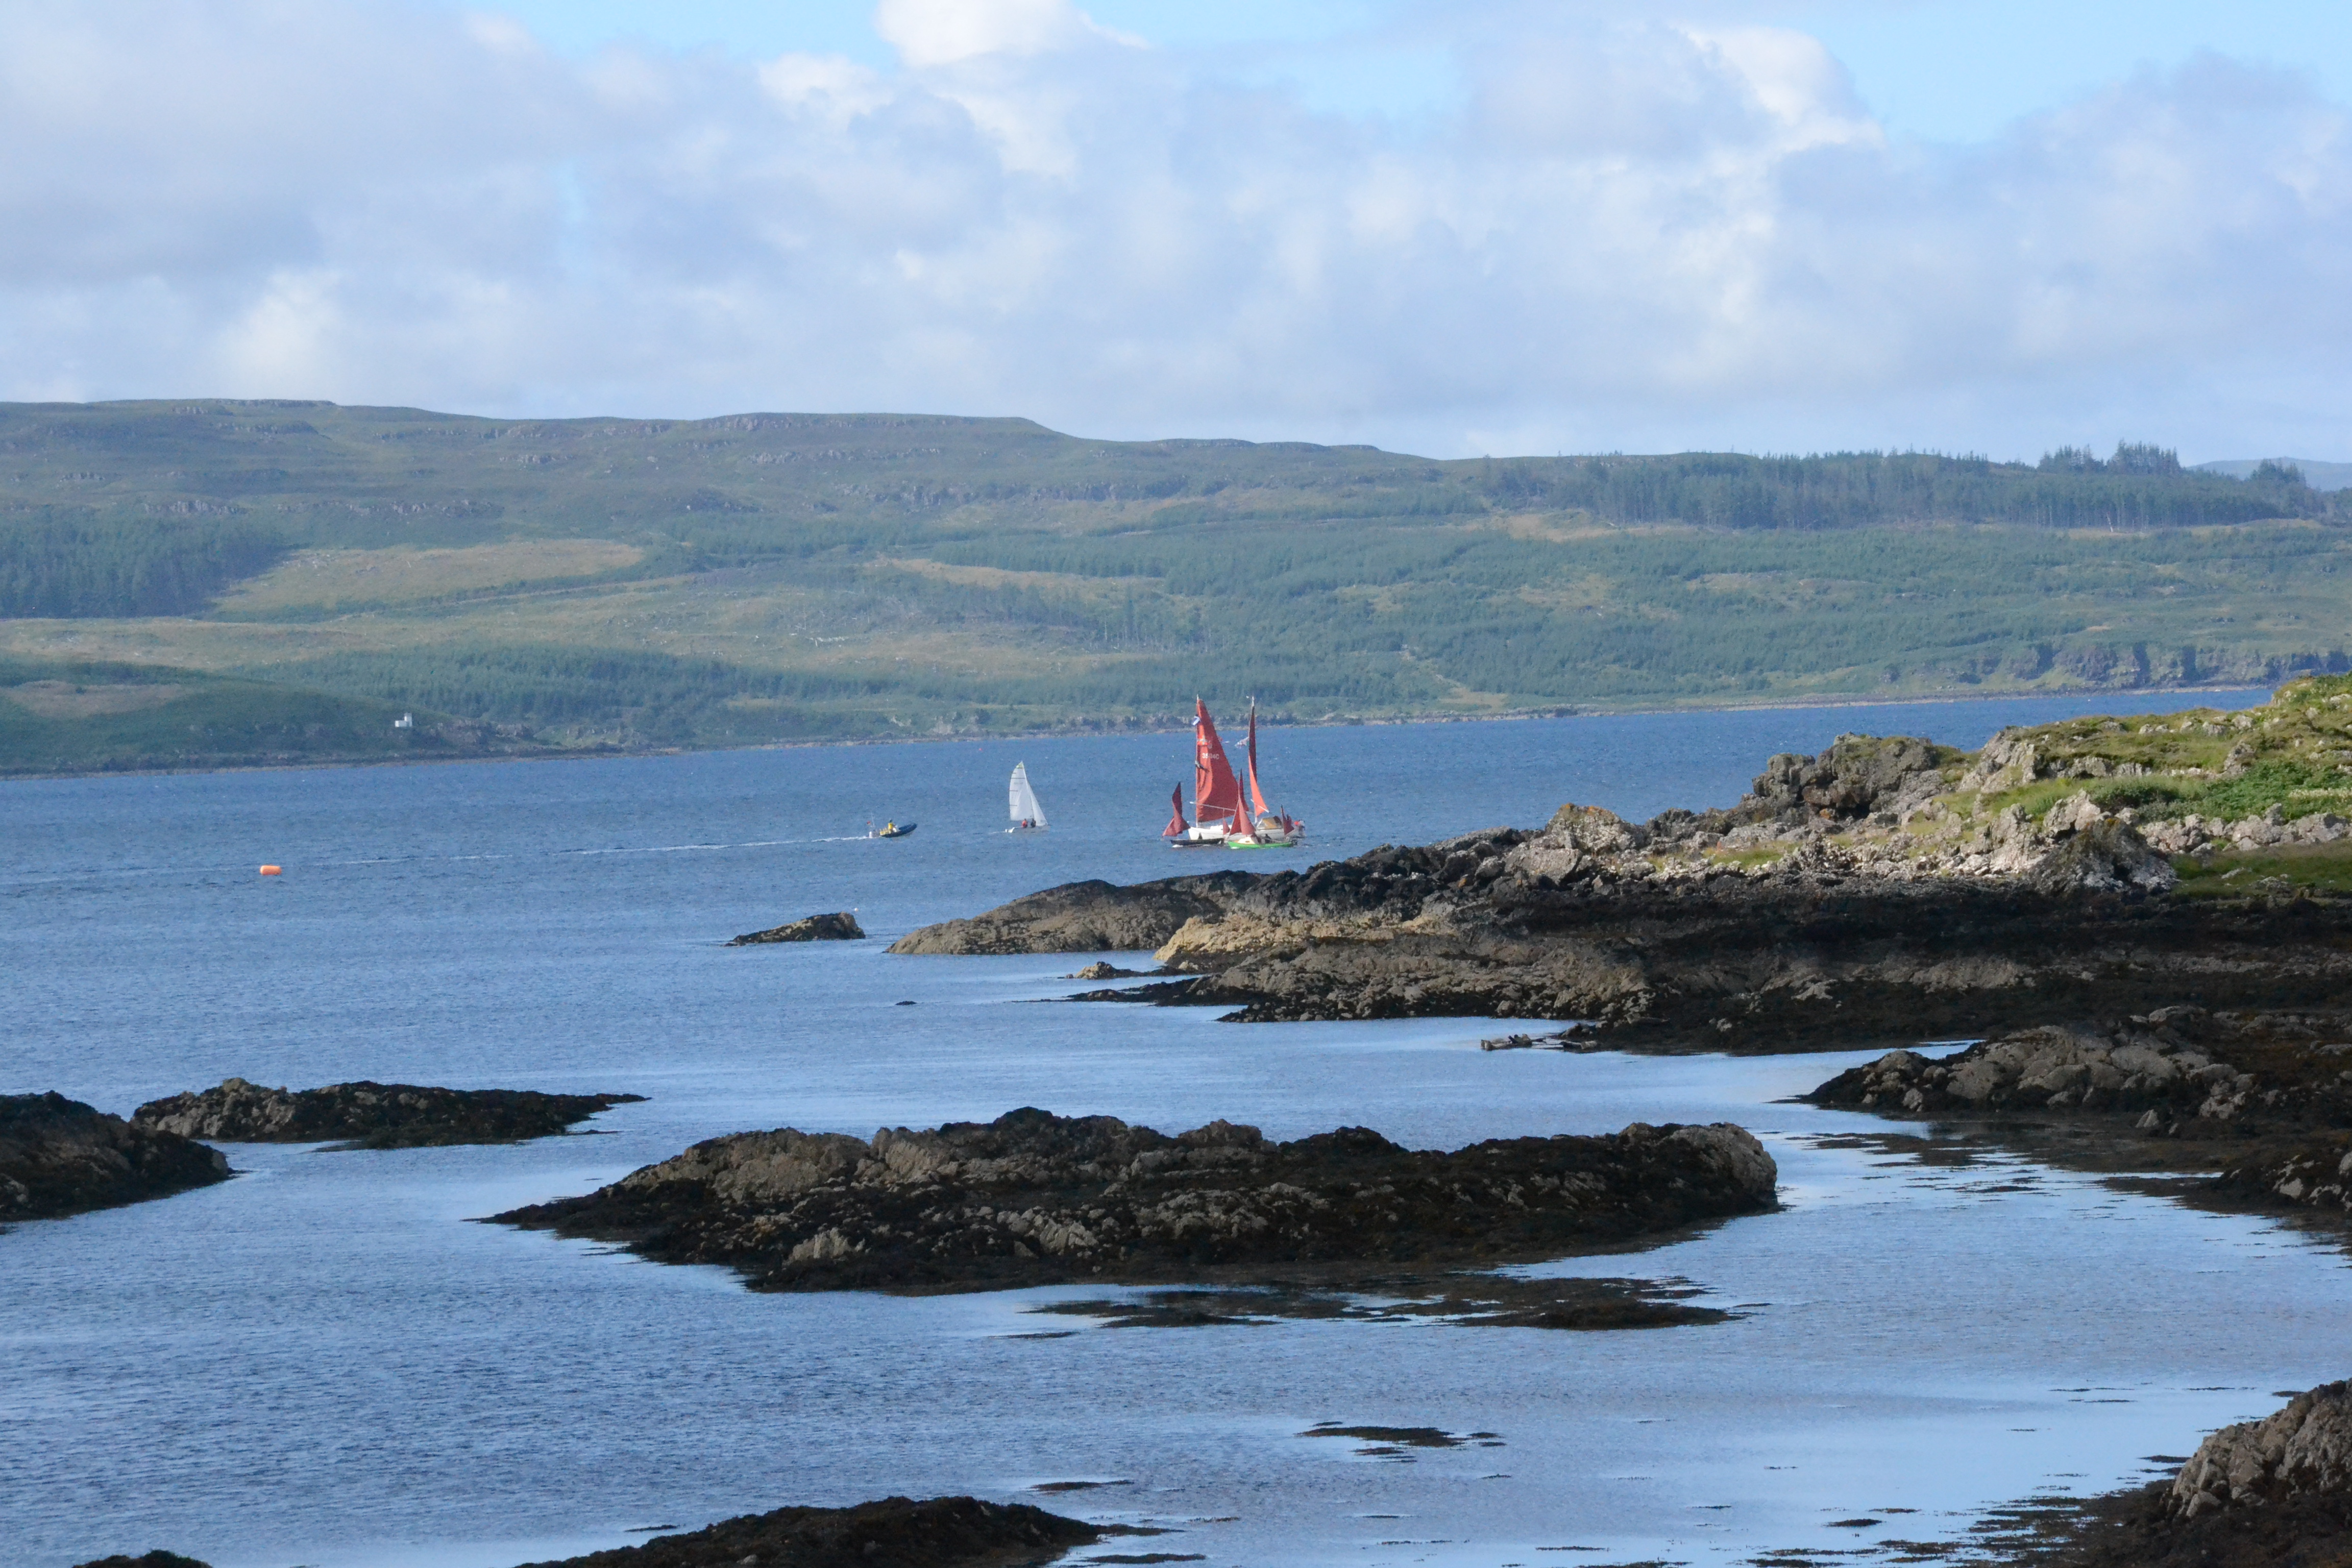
272 871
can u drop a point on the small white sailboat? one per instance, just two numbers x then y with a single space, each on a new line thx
1028 816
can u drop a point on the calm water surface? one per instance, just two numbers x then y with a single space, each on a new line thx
323 1363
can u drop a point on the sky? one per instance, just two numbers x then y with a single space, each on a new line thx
1479 227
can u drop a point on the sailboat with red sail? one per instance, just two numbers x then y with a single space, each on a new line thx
1220 820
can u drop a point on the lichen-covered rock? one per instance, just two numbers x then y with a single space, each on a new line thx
366 1115
2303 1448
59 1156
839 927
1032 1198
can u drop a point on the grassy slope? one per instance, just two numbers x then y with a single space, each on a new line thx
768 577
59 717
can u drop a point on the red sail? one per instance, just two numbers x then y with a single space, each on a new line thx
1216 794
1176 824
1257 801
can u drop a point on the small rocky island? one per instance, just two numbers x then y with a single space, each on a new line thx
1036 1199
838 926
898 1533
1888 890
59 1156
367 1115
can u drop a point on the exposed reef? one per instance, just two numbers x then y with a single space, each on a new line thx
1036 1199
59 1156
940 1532
366 1115
1465 1300
838 926
2264 1098
1886 891
937 1533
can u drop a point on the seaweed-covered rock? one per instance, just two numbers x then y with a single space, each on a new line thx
59 1156
898 1533
838 926
1032 1198
157 1559
367 1115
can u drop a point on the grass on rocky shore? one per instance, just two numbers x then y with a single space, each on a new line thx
2313 867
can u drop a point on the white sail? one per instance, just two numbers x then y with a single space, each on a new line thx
1026 812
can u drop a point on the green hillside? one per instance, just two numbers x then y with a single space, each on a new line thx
766 577
79 718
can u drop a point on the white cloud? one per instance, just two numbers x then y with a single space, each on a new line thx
1624 236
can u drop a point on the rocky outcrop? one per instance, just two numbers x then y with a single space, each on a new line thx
898 1533
59 1156
2263 1097
1083 917
157 1559
2303 1448
1884 891
2142 1068
1032 1198
839 927
366 1115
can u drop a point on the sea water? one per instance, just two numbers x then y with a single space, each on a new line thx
325 1362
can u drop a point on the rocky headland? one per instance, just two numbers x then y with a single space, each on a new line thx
841 926
59 1156
367 1115
1037 1199
1888 889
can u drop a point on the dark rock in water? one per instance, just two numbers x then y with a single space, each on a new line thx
145 1560
1085 917
59 1156
897 1532
841 927
1032 1198
366 1115
1468 1300
1107 971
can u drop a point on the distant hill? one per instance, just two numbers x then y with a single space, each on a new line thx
771 577
2319 475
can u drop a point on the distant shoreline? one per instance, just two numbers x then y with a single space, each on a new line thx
557 754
